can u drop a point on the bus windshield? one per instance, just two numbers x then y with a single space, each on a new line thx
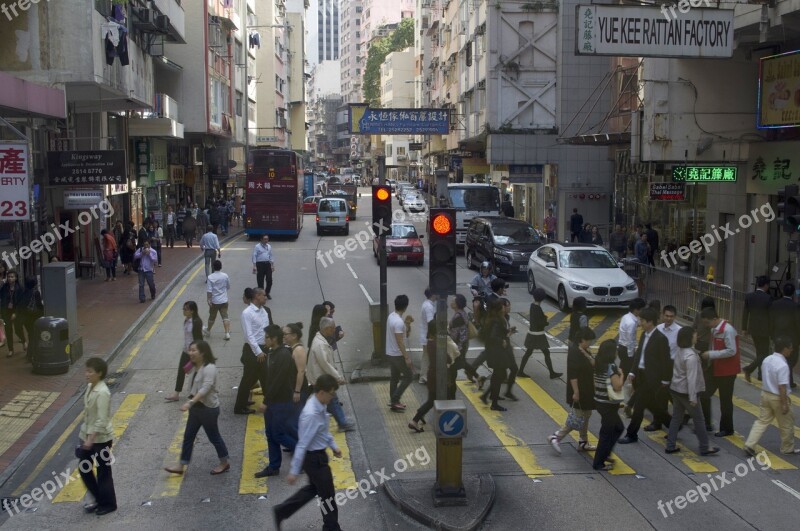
280 163
484 198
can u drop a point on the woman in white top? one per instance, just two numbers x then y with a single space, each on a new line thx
203 408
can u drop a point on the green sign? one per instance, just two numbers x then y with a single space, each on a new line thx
696 174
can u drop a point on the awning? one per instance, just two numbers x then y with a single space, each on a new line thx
20 98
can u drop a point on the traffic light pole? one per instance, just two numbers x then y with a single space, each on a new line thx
441 349
381 160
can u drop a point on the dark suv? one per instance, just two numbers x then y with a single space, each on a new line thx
504 242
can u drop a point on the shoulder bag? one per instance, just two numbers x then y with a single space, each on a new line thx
616 396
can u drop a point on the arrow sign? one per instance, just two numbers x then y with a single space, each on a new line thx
451 423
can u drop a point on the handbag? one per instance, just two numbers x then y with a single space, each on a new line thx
616 396
472 330
574 422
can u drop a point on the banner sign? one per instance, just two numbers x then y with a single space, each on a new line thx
639 31
779 91
87 167
366 121
14 183
667 191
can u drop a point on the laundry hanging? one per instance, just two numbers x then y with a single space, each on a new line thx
255 40
116 43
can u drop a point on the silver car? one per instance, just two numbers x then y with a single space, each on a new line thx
414 203
333 216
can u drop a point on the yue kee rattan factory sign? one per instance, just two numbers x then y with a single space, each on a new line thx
637 31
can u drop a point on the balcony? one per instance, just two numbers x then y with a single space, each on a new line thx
161 122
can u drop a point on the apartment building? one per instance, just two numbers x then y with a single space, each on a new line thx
350 53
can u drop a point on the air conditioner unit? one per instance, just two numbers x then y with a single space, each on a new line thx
162 23
197 155
146 20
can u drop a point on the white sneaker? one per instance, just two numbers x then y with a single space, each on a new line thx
227 336
206 333
553 440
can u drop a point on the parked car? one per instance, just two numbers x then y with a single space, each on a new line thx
333 215
568 270
392 184
402 245
507 243
413 202
402 190
310 204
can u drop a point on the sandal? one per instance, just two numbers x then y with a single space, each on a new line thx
413 427
586 446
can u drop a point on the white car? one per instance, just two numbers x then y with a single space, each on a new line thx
565 271
414 203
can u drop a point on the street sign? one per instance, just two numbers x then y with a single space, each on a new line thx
451 424
415 146
366 121
451 418
265 139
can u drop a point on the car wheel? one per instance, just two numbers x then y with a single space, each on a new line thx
563 303
347 230
531 282
319 231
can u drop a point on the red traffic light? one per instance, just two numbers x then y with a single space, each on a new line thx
441 224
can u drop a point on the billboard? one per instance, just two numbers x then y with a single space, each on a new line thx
637 31
366 121
87 167
779 91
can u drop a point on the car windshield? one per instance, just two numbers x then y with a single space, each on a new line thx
332 206
410 196
514 234
587 259
481 198
403 231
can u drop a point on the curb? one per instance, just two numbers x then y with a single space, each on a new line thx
133 329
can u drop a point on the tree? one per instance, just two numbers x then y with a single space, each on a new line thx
400 39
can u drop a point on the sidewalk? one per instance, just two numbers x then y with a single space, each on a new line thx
106 313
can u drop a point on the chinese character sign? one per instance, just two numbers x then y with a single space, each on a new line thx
14 183
87 167
366 121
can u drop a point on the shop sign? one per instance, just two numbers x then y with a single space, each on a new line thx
667 191
14 182
704 174
366 121
779 91
525 173
117 189
771 166
142 159
87 167
176 174
82 199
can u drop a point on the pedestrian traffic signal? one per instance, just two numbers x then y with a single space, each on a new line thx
381 209
789 208
442 264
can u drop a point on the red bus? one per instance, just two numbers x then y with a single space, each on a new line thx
274 193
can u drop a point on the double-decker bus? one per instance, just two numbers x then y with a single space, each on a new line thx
274 193
472 201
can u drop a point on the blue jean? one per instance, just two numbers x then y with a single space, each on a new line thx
335 409
205 417
281 430
146 275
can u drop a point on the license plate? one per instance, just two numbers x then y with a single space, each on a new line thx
523 268
333 220
402 258
609 299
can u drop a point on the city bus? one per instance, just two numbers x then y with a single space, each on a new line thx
274 193
472 201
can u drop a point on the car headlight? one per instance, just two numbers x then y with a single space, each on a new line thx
502 257
578 287
416 249
631 287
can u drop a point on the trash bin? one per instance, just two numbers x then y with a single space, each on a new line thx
50 346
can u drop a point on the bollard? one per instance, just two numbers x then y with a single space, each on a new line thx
450 428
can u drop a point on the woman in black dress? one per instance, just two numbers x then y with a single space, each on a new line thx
578 320
127 248
495 334
536 338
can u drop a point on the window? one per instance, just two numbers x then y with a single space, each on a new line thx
401 150
388 150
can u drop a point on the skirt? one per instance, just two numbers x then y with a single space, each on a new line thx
536 342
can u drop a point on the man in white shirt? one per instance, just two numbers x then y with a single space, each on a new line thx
254 320
626 349
263 264
209 244
427 312
775 403
399 359
670 329
171 219
218 285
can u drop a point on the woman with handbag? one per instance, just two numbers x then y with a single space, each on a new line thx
580 392
608 381
109 246
192 331
536 338
203 408
686 387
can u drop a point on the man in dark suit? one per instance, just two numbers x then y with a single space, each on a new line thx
783 321
575 225
651 375
756 320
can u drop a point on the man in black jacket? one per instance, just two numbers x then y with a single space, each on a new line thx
280 413
651 375
783 321
575 225
756 320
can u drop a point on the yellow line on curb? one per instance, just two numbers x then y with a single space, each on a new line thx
689 458
776 463
404 440
169 485
74 491
559 416
254 456
755 383
518 449
342 469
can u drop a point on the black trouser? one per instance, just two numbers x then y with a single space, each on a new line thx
320 483
762 351
428 404
725 386
611 427
254 371
649 395
170 235
547 360
792 362
264 271
513 369
15 325
181 374
102 486
472 368
401 377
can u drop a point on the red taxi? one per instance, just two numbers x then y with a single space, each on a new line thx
310 204
402 245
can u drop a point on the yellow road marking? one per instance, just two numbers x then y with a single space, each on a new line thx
776 463
254 456
611 333
169 485
21 413
518 449
58 445
74 491
559 416
755 383
404 440
756 410
342 468
689 458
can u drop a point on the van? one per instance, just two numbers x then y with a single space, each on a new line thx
333 215
506 243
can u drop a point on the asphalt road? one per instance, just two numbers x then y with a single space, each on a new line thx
535 487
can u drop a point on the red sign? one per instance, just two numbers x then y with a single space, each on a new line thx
667 191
